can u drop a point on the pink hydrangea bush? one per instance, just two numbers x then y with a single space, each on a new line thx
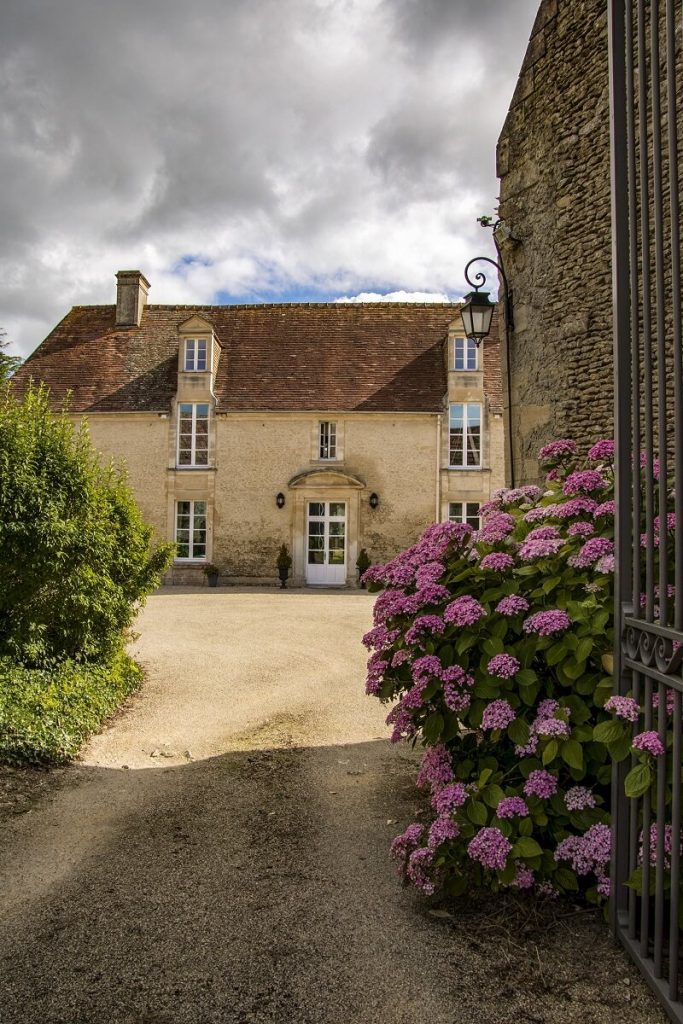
489 648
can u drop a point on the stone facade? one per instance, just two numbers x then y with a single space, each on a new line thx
553 163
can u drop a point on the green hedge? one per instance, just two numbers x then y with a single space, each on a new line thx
46 714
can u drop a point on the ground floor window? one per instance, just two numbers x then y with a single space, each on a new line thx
190 534
465 512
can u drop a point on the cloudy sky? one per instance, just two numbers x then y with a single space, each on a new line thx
246 150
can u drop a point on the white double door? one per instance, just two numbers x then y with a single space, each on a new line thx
326 543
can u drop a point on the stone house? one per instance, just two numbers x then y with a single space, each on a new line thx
329 427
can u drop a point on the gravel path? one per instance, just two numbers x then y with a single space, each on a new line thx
235 870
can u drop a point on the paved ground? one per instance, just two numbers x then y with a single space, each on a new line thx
220 854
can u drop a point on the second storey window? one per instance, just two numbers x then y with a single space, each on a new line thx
190 530
328 440
193 434
465 435
195 354
465 353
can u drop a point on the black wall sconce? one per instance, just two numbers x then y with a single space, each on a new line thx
374 500
280 500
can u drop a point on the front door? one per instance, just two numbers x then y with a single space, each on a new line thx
326 543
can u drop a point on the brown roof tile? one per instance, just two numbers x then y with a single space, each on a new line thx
285 356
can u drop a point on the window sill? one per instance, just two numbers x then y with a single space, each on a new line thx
467 469
189 563
192 469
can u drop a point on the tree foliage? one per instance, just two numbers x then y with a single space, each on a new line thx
76 557
8 364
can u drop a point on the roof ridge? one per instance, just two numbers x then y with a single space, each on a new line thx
273 305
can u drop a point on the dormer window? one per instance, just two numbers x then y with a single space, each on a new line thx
195 354
465 354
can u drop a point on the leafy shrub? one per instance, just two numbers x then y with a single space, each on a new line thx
46 714
492 644
75 555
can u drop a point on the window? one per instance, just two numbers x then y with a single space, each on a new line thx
190 531
193 434
465 512
328 441
195 354
465 435
465 353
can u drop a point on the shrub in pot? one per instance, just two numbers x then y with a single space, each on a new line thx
284 564
212 572
362 565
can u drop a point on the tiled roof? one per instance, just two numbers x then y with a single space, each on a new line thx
285 356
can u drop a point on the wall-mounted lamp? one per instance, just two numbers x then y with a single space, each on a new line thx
280 500
373 500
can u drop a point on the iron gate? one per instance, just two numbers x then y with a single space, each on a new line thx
645 82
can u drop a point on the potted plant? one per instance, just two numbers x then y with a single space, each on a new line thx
212 572
362 563
284 564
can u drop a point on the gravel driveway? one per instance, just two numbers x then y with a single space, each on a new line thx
220 854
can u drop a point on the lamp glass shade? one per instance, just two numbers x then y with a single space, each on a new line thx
477 313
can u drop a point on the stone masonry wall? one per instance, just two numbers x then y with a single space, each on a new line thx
553 162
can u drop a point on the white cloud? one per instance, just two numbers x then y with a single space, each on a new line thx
318 147
399 296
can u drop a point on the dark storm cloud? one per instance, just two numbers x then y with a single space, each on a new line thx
284 144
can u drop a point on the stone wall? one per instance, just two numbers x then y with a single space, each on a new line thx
553 162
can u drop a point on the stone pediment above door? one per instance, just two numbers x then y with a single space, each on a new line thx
326 478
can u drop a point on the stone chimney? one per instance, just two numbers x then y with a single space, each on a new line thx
131 297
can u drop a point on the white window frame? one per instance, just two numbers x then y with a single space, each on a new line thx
468 420
193 464
465 515
327 441
191 557
193 354
469 348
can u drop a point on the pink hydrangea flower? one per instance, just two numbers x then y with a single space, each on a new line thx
532 549
624 707
605 509
510 806
450 798
601 451
513 605
497 526
464 611
559 449
524 879
543 533
574 507
584 481
430 572
497 715
436 768
504 666
578 798
490 848
425 624
497 561
649 742
535 515
589 852
442 829
592 551
407 841
540 783
581 530
547 623
551 727
418 870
